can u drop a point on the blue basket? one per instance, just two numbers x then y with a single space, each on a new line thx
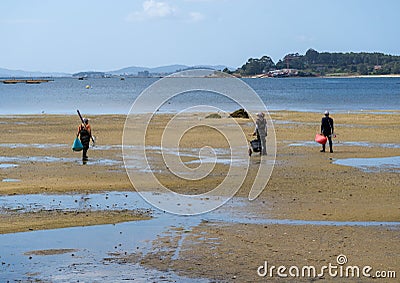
77 145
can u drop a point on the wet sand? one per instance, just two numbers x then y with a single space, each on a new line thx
233 252
304 185
41 220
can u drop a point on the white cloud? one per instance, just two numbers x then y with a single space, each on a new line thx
152 9
196 16
157 9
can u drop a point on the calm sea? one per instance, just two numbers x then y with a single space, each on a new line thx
115 96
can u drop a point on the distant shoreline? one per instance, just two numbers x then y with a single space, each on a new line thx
364 76
326 77
259 76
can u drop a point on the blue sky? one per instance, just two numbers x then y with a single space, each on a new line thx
78 35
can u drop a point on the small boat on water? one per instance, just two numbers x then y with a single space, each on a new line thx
30 81
36 81
11 81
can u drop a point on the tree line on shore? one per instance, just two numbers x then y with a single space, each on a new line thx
314 63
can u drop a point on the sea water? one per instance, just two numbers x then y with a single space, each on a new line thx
115 96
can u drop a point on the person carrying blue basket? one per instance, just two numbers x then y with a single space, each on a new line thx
85 134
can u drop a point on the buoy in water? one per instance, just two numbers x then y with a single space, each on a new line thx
88 86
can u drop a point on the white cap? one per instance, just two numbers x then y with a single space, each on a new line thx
326 112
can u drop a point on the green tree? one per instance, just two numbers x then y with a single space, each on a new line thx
311 57
314 62
257 66
362 69
396 68
226 70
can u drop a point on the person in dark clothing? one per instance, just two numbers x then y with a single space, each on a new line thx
327 130
261 132
85 133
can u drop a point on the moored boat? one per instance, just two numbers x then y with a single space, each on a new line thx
30 81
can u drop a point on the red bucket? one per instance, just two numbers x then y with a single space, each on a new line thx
320 139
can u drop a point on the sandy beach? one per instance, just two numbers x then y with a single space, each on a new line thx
305 185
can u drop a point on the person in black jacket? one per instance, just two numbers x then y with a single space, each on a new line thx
327 130
85 133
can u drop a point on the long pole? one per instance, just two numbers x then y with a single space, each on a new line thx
83 123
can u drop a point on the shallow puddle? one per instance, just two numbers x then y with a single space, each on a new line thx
380 164
336 143
52 159
7 165
19 253
9 180
92 244
222 156
82 202
33 145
